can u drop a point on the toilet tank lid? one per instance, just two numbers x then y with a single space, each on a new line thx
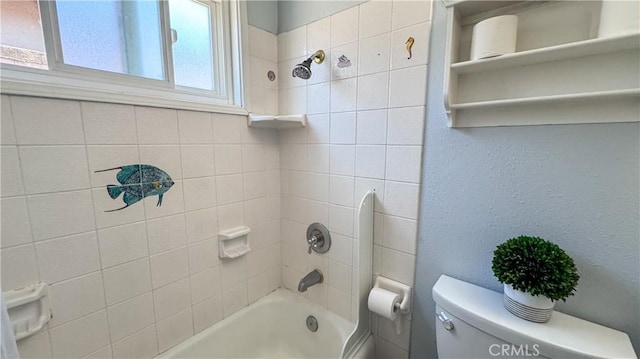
563 336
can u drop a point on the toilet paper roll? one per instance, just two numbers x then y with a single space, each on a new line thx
383 302
494 37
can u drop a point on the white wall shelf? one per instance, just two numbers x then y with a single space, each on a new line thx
559 66
277 121
632 93
552 53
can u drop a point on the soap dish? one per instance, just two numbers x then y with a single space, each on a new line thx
234 242
29 309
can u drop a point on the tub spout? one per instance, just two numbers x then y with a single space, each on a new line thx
314 277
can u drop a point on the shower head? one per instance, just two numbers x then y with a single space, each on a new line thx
303 70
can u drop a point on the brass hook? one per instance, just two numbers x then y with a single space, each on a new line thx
409 45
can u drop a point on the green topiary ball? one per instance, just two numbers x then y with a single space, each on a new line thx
535 266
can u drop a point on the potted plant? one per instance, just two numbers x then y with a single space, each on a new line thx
536 273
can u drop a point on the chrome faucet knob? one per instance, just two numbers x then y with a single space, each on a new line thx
315 241
318 238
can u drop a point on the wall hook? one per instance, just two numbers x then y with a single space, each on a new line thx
409 45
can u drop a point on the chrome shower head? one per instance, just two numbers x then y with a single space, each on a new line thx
303 70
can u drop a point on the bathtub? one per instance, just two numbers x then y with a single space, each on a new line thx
274 327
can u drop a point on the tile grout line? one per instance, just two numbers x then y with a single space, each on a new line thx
146 230
95 222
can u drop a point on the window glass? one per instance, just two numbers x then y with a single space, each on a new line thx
111 35
181 50
192 44
22 42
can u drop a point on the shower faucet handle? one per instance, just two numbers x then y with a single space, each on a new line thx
315 241
318 238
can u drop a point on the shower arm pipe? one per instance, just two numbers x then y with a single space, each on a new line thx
303 70
318 57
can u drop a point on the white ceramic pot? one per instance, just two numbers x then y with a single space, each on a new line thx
534 308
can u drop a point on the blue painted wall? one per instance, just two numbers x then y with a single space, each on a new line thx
263 14
293 14
281 16
576 185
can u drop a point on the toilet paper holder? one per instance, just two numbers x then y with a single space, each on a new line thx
403 290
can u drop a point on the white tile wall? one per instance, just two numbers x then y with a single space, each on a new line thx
87 291
109 124
127 280
62 125
59 259
171 299
143 344
175 329
11 176
128 317
374 54
80 337
234 299
369 136
19 266
7 132
263 57
205 284
15 226
197 161
374 18
135 282
157 267
122 244
344 27
65 168
156 125
203 255
59 214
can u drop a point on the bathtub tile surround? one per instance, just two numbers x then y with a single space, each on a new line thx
263 57
364 132
134 282
284 340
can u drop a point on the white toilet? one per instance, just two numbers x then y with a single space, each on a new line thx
471 322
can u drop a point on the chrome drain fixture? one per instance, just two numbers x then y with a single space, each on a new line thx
312 323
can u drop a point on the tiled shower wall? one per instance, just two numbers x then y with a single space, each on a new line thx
365 131
138 281
134 282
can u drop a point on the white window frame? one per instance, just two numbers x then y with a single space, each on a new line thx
79 83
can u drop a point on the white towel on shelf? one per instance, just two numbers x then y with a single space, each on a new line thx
8 347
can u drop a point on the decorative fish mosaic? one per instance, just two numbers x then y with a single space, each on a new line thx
137 182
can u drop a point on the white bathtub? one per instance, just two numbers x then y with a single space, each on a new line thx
273 327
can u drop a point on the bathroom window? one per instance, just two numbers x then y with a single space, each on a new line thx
110 49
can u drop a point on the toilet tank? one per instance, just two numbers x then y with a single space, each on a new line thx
471 322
